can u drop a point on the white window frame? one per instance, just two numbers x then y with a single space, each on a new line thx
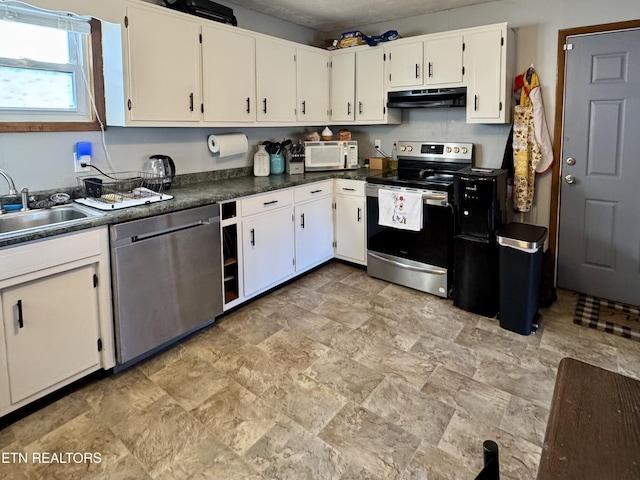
80 66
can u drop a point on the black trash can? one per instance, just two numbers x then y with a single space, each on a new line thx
521 252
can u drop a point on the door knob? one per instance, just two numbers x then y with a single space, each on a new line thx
571 161
570 179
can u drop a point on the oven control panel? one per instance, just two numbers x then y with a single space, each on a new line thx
443 151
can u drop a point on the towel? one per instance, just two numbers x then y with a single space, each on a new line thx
402 210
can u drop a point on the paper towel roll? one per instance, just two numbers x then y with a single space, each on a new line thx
227 145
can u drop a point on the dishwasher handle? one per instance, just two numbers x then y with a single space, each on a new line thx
166 231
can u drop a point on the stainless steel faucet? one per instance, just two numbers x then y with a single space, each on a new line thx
13 191
12 186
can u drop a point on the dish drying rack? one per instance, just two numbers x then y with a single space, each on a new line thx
121 190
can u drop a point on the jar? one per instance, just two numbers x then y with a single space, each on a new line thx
261 162
277 163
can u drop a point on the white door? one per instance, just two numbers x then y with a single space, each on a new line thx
370 84
275 81
351 228
314 233
484 59
164 66
228 64
313 85
343 74
599 231
267 249
51 330
443 60
405 65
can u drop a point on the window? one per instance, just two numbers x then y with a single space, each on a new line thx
46 78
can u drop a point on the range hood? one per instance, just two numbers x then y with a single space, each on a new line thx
429 98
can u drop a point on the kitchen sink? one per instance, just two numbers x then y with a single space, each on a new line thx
21 222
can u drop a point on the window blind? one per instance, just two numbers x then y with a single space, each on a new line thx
25 13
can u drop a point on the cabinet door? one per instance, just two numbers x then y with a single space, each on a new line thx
275 81
51 330
484 64
313 85
351 228
343 74
228 64
405 65
370 89
443 60
267 249
164 66
314 233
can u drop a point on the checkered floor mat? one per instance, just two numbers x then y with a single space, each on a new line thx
607 316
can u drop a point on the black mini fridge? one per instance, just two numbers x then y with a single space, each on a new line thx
480 203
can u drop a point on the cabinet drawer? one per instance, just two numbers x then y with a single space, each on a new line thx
266 202
350 187
312 190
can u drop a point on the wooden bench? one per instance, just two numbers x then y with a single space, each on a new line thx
593 430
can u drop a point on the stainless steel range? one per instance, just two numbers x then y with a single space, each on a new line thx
417 253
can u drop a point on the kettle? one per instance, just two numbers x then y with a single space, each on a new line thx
164 168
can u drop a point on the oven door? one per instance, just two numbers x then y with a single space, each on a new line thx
418 259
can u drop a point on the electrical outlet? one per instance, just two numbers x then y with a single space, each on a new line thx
77 163
377 144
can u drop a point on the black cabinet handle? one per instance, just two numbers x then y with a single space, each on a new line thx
475 103
302 220
349 189
304 107
264 105
253 237
315 191
348 108
191 102
20 318
359 214
360 107
417 70
272 202
430 69
248 104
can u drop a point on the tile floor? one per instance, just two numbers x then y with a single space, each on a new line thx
334 376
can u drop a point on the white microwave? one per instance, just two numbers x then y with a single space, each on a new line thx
332 155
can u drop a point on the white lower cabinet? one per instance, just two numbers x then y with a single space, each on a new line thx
55 314
51 330
350 221
313 225
267 245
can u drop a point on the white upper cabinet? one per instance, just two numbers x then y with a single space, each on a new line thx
275 80
488 63
164 66
405 65
370 85
435 60
343 86
443 60
228 68
312 85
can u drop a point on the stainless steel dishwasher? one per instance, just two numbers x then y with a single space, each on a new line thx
166 279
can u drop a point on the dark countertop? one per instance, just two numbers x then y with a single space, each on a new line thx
188 194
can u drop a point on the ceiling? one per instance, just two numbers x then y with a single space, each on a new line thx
336 15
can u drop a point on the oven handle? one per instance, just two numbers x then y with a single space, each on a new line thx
408 267
434 197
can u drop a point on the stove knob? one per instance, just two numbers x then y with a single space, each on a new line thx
464 150
402 148
456 149
448 149
410 148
